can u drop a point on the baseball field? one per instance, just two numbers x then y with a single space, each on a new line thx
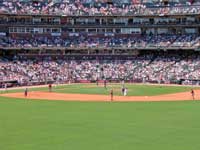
84 118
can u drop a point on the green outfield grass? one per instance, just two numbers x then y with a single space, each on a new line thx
133 89
58 125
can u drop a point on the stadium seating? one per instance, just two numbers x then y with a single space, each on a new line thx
158 67
83 7
20 35
82 41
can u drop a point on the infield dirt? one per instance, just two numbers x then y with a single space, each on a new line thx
183 96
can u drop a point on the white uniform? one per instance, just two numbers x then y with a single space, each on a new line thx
125 91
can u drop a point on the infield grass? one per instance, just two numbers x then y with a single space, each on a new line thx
133 90
59 125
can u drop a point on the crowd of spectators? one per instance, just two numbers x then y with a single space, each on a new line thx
163 41
163 68
88 7
170 68
149 67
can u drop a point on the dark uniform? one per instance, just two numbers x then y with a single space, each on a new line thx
105 84
97 81
26 92
192 92
123 89
111 95
50 87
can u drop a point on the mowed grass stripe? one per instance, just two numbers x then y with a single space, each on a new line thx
50 125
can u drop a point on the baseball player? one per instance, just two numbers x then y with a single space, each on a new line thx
50 87
26 92
193 94
105 84
111 94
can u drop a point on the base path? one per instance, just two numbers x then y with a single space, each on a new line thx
88 97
